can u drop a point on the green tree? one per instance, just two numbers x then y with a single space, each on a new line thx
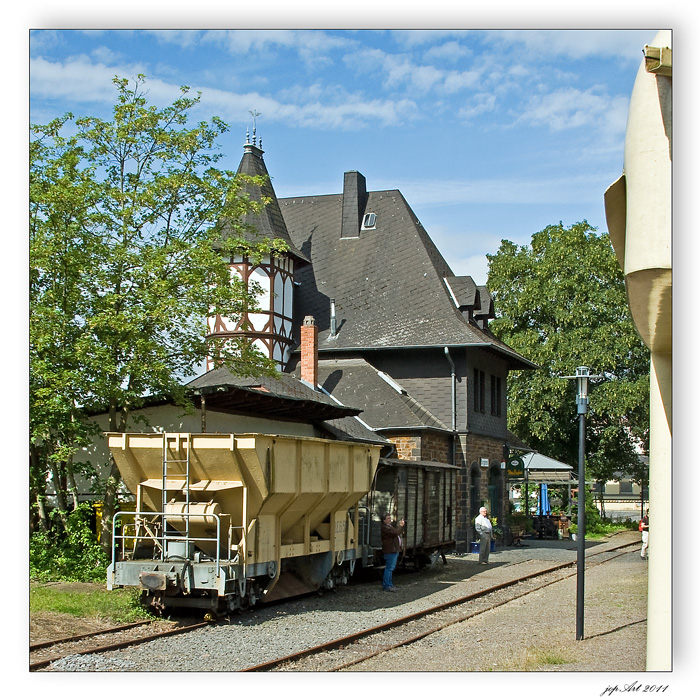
128 258
561 302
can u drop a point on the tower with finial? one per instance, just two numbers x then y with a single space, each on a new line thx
269 327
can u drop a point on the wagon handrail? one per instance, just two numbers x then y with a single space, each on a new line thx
164 537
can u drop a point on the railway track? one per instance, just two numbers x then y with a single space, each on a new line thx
347 651
45 653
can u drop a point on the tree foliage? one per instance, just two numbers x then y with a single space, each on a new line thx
561 302
128 258
67 552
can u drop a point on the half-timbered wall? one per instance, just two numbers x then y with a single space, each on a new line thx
271 326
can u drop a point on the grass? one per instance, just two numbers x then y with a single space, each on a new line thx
533 658
604 529
91 602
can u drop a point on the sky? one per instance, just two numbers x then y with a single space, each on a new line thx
489 134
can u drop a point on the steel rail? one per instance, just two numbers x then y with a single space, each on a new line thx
35 666
343 641
356 636
426 633
87 635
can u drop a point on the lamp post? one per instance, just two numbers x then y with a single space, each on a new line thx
582 377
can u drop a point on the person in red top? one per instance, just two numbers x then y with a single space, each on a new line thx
391 546
644 529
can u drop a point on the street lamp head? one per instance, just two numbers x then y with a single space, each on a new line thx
582 383
582 376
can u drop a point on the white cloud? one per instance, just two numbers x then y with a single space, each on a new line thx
79 81
103 54
418 37
576 43
449 51
43 39
480 103
349 113
476 266
402 71
465 251
570 108
306 42
456 81
184 38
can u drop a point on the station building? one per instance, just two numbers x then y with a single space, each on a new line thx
375 337
398 334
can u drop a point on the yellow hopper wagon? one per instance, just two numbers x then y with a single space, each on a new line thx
225 520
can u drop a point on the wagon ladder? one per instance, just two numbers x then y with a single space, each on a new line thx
174 468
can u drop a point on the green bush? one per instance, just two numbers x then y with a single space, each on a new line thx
72 554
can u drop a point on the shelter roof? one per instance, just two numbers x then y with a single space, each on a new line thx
539 462
545 470
280 397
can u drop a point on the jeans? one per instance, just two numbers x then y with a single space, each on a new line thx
390 564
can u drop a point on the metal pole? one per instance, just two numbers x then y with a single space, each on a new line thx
527 495
581 540
582 377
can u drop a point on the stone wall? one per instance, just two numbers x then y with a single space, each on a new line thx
471 450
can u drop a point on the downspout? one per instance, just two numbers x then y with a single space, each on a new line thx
454 404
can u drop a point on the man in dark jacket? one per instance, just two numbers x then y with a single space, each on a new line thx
391 546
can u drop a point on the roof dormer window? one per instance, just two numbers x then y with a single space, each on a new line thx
369 221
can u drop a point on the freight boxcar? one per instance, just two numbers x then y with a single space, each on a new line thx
224 520
423 494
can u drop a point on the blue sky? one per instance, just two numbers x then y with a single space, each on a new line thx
489 134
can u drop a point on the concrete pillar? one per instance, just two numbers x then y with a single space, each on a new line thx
659 620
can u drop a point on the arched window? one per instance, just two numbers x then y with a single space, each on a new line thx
496 492
474 490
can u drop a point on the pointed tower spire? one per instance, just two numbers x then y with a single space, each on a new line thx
270 328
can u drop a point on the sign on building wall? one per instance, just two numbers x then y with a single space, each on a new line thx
484 461
515 468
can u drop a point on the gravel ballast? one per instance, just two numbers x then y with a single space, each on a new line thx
533 633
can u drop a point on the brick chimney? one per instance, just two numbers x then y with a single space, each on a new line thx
309 351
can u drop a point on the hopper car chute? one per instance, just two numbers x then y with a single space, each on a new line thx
224 520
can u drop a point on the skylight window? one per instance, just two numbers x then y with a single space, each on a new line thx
369 221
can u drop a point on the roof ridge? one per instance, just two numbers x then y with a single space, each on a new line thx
422 411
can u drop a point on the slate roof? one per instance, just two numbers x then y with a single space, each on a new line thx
464 291
284 397
388 283
281 397
354 381
268 223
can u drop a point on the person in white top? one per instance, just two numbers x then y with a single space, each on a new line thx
483 529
